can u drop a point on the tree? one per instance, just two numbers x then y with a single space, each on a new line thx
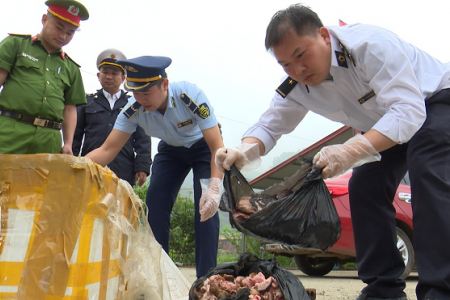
182 232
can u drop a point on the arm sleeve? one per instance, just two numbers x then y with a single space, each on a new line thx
8 53
143 148
128 125
75 94
202 101
386 62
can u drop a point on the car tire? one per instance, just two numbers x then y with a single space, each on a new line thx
314 266
406 249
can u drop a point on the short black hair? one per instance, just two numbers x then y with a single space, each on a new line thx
160 81
296 17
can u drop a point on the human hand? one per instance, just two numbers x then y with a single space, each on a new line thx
246 157
209 202
337 159
66 149
140 178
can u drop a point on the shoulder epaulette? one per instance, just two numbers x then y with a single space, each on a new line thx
286 87
92 95
347 54
132 110
22 35
202 111
71 59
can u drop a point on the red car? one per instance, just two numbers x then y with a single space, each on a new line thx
316 263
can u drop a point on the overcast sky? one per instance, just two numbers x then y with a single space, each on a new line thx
219 46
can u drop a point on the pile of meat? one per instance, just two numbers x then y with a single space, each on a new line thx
253 287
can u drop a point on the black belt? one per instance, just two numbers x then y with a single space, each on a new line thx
31 120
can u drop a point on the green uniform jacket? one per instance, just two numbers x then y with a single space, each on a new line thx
39 84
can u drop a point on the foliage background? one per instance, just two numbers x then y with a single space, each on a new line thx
182 234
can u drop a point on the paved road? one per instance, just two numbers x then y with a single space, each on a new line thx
337 285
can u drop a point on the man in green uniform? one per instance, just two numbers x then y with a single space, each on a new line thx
41 84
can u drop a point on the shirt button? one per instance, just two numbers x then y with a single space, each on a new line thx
46 69
45 98
49 55
48 82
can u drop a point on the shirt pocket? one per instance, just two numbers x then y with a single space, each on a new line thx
31 67
96 115
62 80
188 130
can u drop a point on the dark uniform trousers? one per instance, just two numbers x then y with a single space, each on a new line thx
170 167
372 189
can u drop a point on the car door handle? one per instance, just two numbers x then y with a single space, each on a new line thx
405 197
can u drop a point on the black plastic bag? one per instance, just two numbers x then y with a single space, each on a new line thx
289 284
307 218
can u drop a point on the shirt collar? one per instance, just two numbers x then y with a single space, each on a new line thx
170 98
112 97
334 47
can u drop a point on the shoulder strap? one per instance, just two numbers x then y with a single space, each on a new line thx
286 87
202 111
21 35
347 54
132 110
65 54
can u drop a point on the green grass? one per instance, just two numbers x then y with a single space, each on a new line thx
223 257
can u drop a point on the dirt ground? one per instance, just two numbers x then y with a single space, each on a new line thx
337 285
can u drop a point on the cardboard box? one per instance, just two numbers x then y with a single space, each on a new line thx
71 229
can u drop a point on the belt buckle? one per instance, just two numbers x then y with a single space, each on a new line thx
39 122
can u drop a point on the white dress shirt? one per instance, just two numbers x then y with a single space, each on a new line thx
400 75
112 98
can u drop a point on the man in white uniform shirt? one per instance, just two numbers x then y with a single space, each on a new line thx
397 95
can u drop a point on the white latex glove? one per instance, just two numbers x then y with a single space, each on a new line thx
337 159
246 157
209 202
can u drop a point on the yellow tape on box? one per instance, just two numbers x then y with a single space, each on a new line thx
71 229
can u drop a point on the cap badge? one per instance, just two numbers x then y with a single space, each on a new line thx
113 56
130 68
74 10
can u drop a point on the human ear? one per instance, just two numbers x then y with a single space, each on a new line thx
324 34
165 84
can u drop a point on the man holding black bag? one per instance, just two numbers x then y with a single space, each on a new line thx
397 95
